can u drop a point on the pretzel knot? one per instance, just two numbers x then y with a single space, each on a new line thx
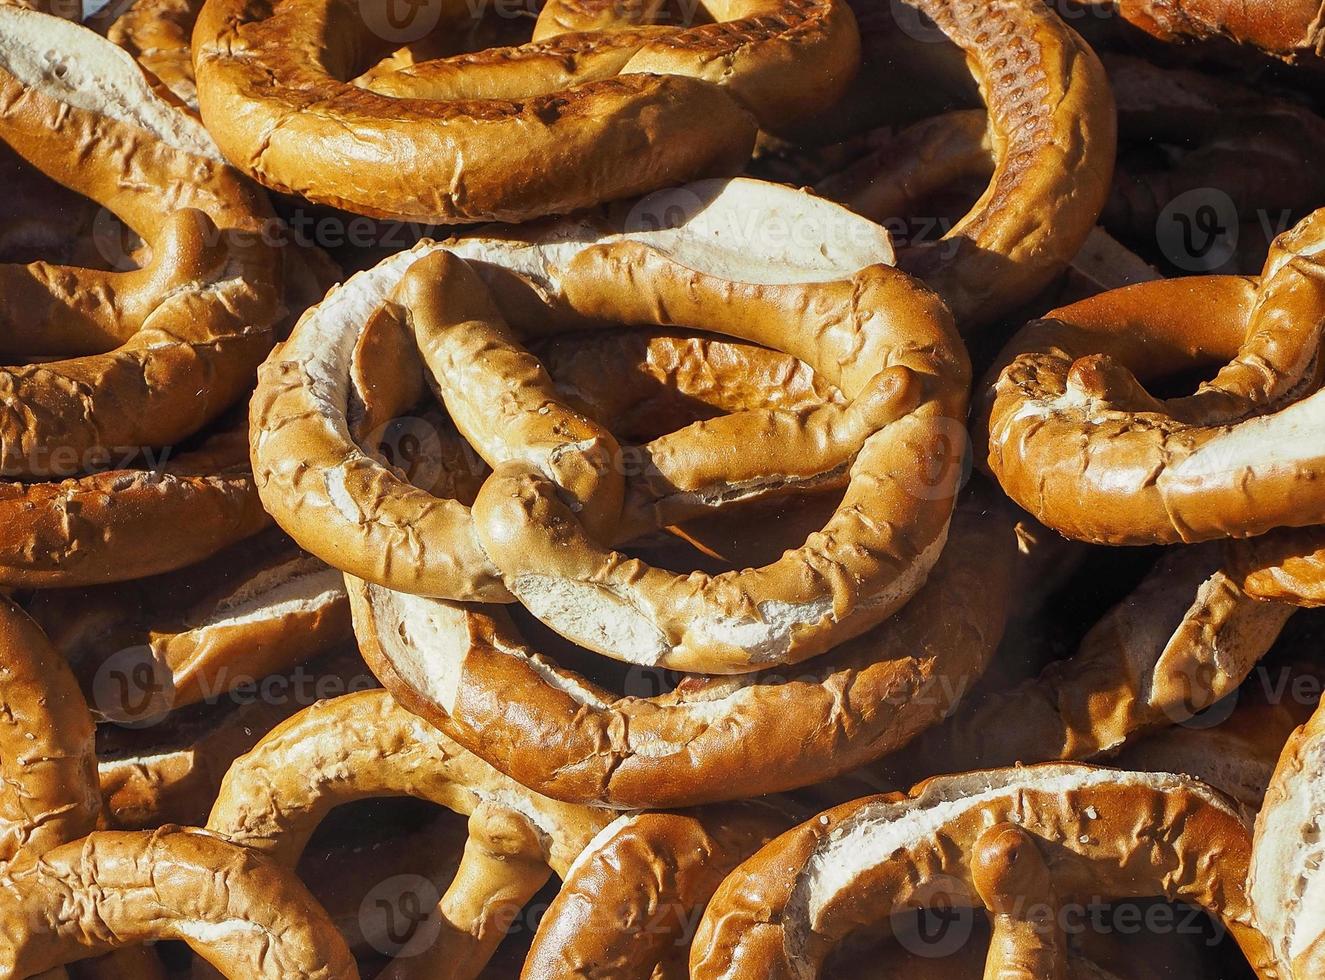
608 100
128 362
1022 842
1075 438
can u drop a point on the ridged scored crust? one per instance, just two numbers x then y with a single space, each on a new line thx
134 349
1075 439
467 671
1184 638
606 115
1286 886
246 916
1102 833
1053 131
48 782
365 745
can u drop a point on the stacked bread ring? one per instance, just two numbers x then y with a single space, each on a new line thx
751 496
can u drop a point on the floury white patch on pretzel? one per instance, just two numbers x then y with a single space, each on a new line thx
711 738
1100 833
1077 440
347 508
1286 885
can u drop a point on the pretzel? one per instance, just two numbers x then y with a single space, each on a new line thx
156 33
239 910
1235 755
1014 839
257 608
1284 880
1223 147
1075 440
312 449
364 745
1291 30
1282 566
107 526
48 789
198 316
628 904
1186 637
608 112
1050 178
170 771
712 738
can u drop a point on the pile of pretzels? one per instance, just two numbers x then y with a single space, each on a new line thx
648 489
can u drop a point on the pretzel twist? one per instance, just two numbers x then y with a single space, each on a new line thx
1095 832
1186 637
1075 439
365 745
238 910
607 114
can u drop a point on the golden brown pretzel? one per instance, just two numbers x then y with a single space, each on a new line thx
334 500
1186 637
606 115
1285 881
199 316
257 608
107 526
239 910
712 738
1293 30
1235 754
156 33
169 772
48 787
1283 566
365 745
1098 832
1052 131
629 904
1075 439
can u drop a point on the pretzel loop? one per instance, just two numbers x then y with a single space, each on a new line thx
1076 439
606 115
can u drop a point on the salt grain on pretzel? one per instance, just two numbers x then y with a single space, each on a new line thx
240 911
1099 834
365 745
1186 637
1076 440
468 671
580 118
